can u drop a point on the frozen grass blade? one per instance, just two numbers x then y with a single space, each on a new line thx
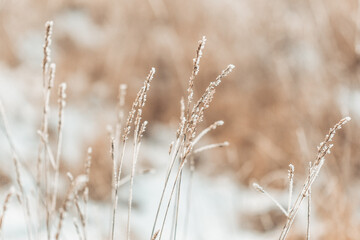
211 146
62 103
15 157
308 209
136 109
291 184
323 150
9 195
262 190
188 200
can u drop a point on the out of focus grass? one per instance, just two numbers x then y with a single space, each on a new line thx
297 73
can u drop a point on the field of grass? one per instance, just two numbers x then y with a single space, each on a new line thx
111 127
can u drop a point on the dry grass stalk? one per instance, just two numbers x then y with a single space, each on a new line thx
323 150
81 215
262 190
182 148
155 235
82 212
77 228
211 146
115 186
86 190
47 85
177 206
120 117
44 128
64 209
47 148
76 185
138 133
9 195
13 150
308 209
173 233
187 131
62 103
6 128
208 129
118 130
80 184
173 152
15 157
16 161
43 169
195 71
291 184
188 200
46 49
139 128
171 146
113 158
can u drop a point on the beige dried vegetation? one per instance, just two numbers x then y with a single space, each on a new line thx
262 132
48 165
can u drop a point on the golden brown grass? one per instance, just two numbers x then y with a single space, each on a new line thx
275 95
284 66
77 196
314 169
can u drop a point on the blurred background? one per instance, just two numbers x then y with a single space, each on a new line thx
297 74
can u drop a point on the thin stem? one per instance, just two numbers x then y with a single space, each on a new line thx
11 192
291 185
177 206
135 156
262 190
116 189
23 199
171 195
308 210
188 204
323 150
208 129
172 162
61 100
211 146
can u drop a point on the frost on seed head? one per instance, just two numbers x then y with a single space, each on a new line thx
258 187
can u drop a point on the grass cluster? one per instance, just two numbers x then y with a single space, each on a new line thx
126 136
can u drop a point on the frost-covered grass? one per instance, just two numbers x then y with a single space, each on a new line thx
218 203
